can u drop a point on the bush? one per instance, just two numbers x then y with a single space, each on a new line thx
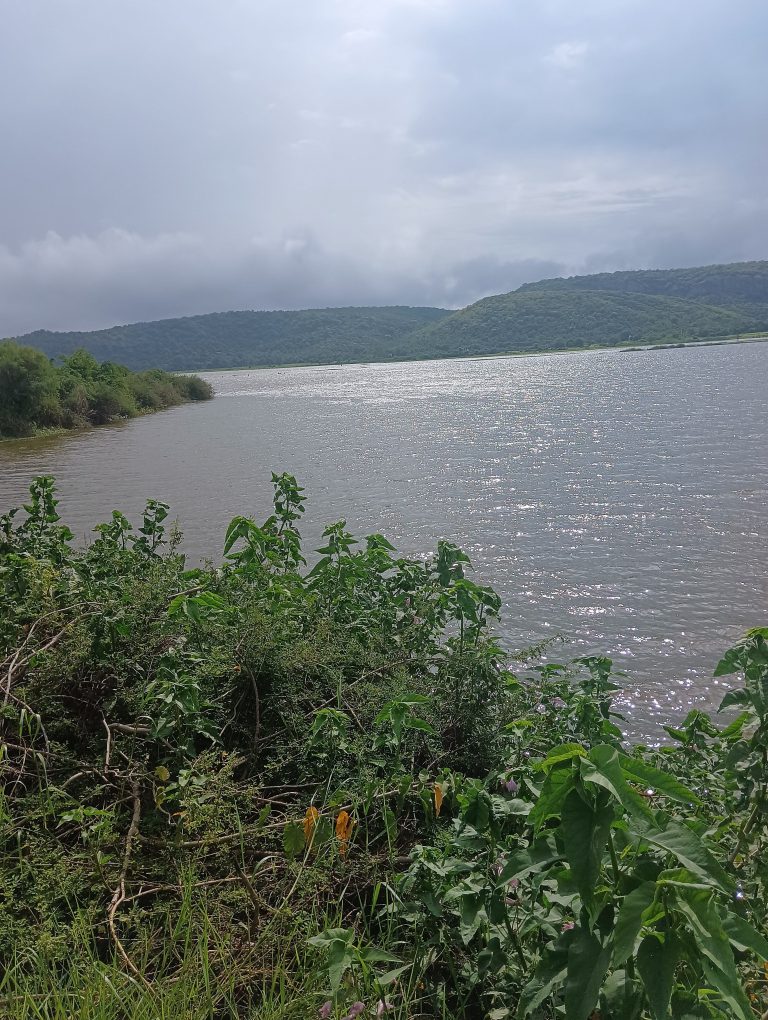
34 393
28 389
267 790
106 402
193 387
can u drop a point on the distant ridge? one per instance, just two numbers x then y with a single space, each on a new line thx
604 309
737 281
244 339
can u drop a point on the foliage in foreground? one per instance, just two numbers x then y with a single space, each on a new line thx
35 393
271 791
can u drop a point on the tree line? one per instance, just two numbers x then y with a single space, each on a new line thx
36 393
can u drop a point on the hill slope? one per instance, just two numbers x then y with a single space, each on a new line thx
604 309
541 320
732 285
237 339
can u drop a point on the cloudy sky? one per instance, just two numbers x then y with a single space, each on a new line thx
169 157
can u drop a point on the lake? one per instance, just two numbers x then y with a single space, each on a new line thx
619 500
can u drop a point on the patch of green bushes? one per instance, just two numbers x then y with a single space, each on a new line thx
37 394
269 790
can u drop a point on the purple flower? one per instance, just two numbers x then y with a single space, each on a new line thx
510 785
558 703
325 1010
569 926
541 709
383 1006
513 883
354 1010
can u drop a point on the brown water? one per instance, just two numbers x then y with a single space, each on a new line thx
620 500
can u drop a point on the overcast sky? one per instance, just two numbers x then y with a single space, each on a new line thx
169 157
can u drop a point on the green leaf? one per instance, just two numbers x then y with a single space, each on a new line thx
734 729
293 839
470 911
374 955
338 944
191 609
412 723
585 833
686 846
588 962
392 975
730 990
681 877
623 997
603 769
630 920
562 752
714 944
556 788
339 959
661 782
413 699
730 662
535 859
550 973
744 937
737 697
430 901
656 962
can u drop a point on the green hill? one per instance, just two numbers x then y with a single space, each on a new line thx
605 309
554 319
238 339
641 306
732 285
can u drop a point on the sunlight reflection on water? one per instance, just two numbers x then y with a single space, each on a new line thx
616 499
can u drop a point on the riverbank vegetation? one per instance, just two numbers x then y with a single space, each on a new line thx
267 790
577 313
36 394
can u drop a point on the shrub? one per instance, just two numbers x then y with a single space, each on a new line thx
34 393
282 791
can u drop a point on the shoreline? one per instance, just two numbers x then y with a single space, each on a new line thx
628 348
55 431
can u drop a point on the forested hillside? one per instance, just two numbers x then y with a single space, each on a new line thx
583 311
244 339
728 285
609 308
541 320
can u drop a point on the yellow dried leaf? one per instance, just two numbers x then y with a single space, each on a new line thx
438 798
310 821
344 825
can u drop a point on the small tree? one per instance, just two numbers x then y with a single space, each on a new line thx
28 389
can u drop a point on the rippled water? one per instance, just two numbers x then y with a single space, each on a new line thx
620 500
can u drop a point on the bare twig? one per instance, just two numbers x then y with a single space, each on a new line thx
118 897
108 751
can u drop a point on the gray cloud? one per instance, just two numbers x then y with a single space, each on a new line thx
165 159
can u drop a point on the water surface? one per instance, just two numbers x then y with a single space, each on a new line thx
620 500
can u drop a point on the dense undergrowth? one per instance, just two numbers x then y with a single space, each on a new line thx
36 394
263 790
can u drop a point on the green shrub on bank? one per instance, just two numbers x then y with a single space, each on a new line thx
35 393
270 790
